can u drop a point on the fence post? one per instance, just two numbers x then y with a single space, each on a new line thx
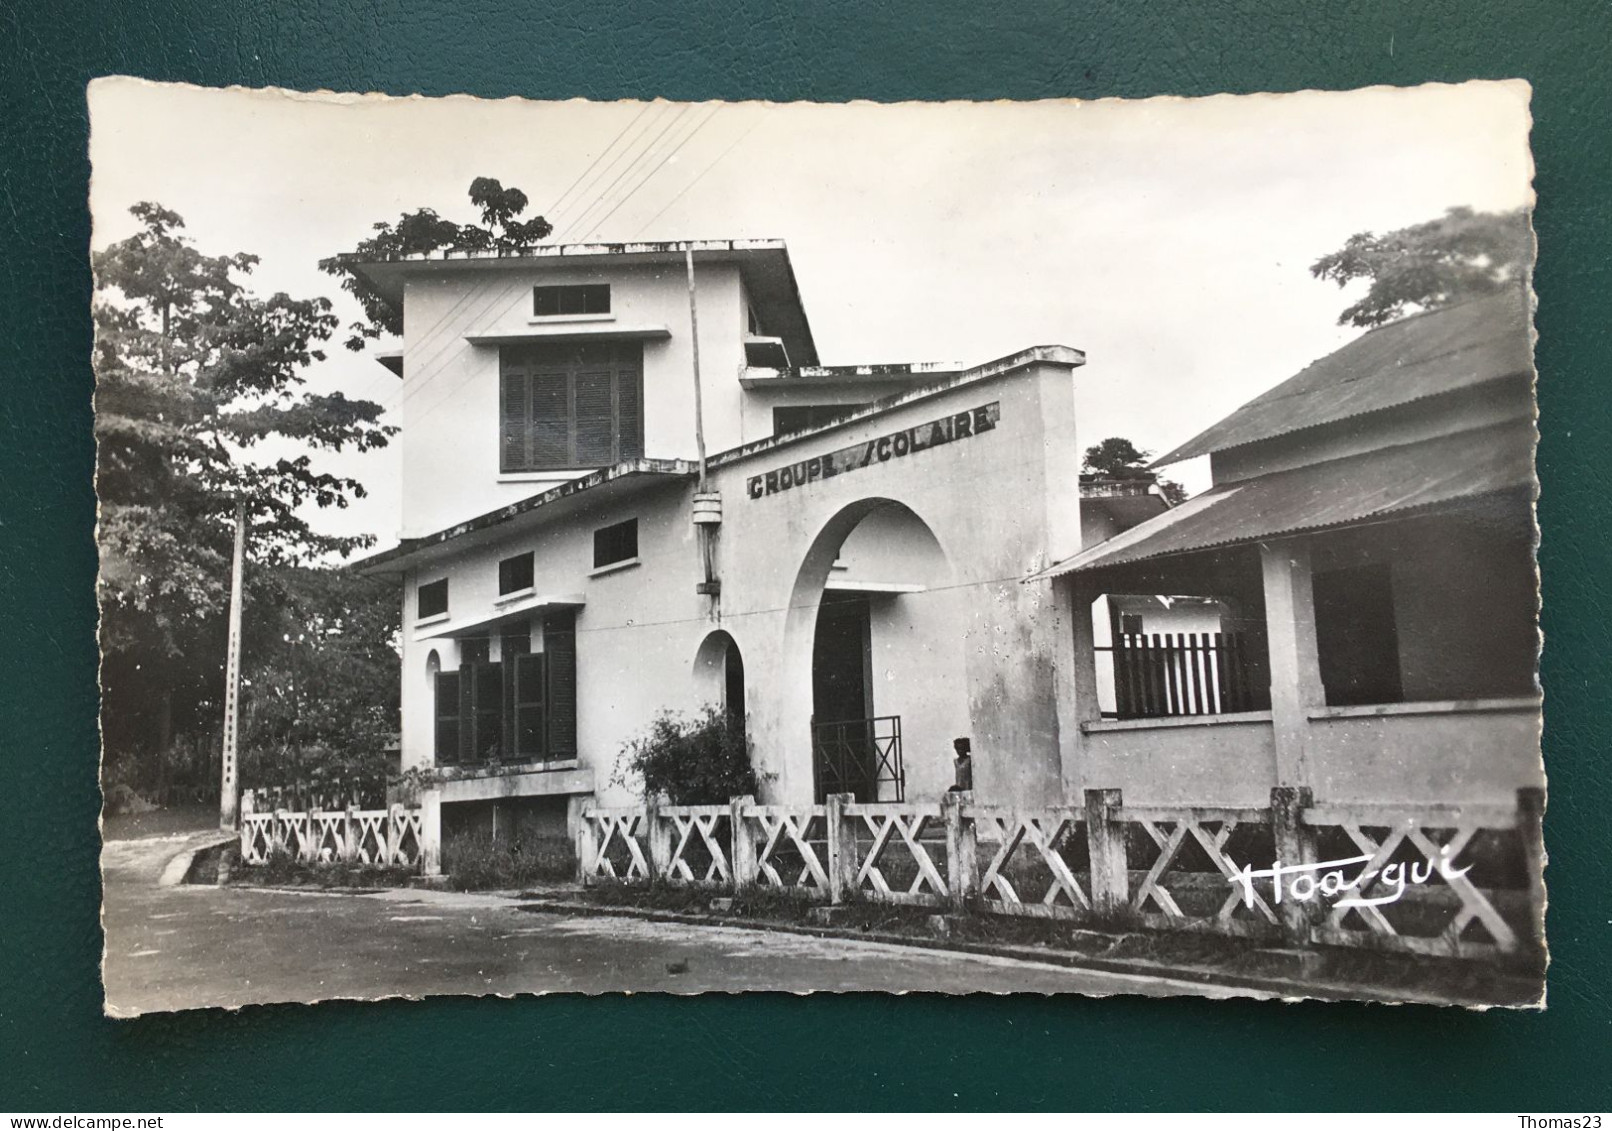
248 807
394 832
431 832
587 848
659 835
962 871
841 864
279 839
1295 844
309 848
1531 832
349 834
1105 845
744 848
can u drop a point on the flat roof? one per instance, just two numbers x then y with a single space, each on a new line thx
768 274
597 486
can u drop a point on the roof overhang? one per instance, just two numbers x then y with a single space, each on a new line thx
509 613
607 485
768 275
1386 483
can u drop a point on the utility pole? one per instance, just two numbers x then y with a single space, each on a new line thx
694 340
227 793
707 504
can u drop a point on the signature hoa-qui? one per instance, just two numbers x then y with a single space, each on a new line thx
1327 878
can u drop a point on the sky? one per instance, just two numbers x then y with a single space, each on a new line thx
1169 239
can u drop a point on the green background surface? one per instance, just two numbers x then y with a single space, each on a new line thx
56 1051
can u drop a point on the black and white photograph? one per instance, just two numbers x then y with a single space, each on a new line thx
1065 547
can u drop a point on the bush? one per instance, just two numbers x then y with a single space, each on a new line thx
702 760
480 862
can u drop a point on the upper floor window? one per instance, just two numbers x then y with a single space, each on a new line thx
587 298
618 543
431 600
515 574
798 418
570 405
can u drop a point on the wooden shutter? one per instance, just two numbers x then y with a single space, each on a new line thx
447 719
528 694
514 418
595 416
630 403
560 655
550 436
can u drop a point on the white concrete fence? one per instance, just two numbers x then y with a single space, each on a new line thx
395 837
1382 876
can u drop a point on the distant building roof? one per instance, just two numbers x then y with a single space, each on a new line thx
1378 484
765 265
1417 357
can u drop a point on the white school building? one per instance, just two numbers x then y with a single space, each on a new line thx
881 559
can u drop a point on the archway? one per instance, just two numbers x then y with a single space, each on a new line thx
719 677
874 658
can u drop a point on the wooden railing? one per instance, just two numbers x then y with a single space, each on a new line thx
1164 675
1452 880
393 837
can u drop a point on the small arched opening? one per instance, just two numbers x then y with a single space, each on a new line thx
719 677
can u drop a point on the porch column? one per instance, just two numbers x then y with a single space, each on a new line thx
1076 664
1295 662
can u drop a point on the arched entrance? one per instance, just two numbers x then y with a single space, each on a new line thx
874 624
719 677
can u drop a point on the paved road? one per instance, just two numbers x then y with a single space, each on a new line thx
180 947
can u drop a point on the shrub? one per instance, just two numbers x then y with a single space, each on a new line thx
480 862
703 760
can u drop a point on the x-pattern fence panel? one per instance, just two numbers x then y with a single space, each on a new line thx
1030 848
788 852
700 843
618 843
898 866
1221 904
1342 876
1423 849
383 837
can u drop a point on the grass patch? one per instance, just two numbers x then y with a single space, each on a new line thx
479 862
284 870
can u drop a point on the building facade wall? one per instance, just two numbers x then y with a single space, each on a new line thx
449 408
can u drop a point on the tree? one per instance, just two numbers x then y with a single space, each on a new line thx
422 232
193 371
321 687
1118 458
1461 255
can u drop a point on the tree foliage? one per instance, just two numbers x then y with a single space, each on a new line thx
321 686
1118 458
422 232
194 375
703 760
1461 255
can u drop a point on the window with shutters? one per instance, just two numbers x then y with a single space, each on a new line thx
520 708
567 405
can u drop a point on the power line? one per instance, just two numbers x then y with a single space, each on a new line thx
577 221
649 121
647 177
555 207
700 174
